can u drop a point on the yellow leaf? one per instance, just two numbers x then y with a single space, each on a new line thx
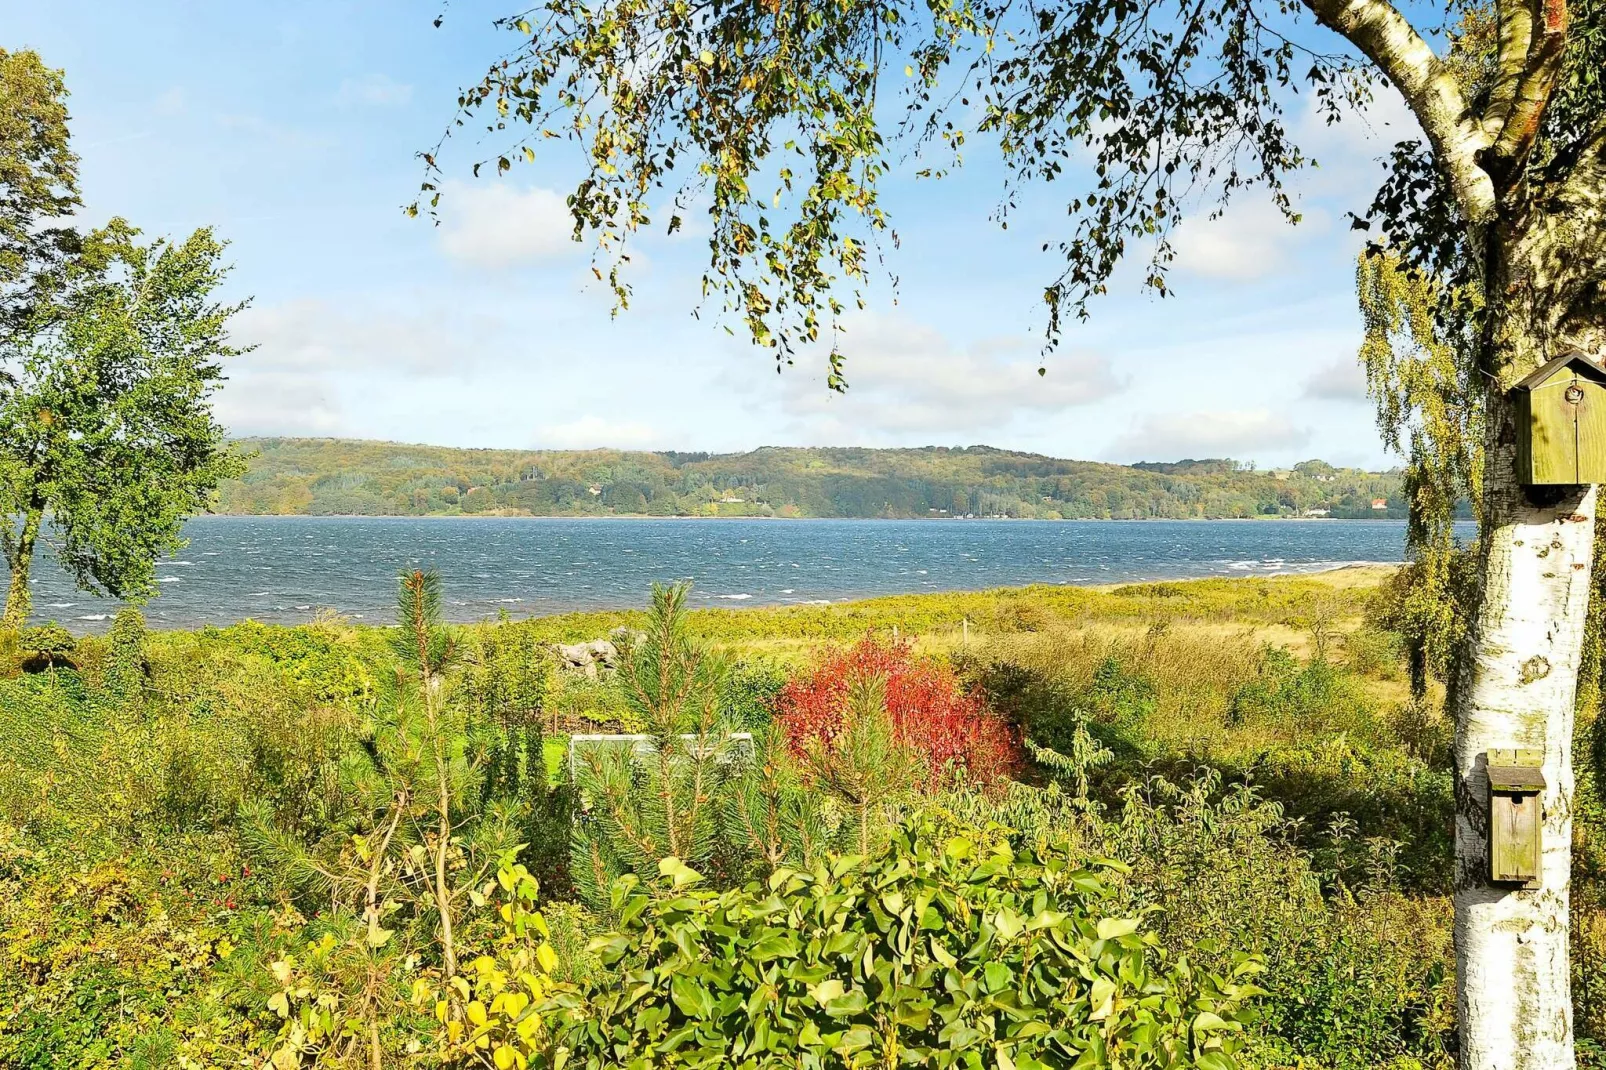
476 1012
707 58
503 1057
546 957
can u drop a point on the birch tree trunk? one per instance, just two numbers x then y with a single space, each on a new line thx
1518 677
1517 689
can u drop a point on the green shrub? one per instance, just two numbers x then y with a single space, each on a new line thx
1355 979
1300 702
747 693
952 948
1374 652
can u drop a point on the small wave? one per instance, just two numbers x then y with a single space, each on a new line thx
508 601
60 605
181 563
168 579
818 602
789 590
303 607
259 594
734 597
93 616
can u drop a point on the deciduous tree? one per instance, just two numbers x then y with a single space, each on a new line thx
109 356
773 113
107 440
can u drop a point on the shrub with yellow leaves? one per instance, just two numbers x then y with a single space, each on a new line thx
314 1021
489 1013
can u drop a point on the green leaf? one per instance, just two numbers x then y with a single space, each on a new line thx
826 991
1114 928
678 872
1101 998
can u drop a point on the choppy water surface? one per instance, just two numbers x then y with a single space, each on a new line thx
285 568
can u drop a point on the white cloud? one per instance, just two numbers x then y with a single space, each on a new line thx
593 432
1251 240
1176 436
905 377
311 334
377 90
277 403
495 225
310 352
1342 380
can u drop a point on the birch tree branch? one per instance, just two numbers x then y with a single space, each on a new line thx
1535 82
1390 42
1516 24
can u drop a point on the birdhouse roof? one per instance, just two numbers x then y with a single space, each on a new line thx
1574 361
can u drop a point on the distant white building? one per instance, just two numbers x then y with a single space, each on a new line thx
1315 512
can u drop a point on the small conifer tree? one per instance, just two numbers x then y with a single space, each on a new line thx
658 802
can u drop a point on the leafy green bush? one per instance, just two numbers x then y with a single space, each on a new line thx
952 948
1302 701
1371 651
1356 978
748 691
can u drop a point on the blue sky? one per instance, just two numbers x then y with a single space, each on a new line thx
292 128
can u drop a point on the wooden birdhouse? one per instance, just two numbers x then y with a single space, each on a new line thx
1516 816
1561 423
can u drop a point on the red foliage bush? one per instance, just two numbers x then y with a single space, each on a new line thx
930 711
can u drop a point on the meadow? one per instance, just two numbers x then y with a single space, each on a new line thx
336 844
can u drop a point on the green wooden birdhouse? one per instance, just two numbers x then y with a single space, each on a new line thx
1516 816
1561 423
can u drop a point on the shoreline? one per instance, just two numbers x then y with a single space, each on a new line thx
846 604
817 519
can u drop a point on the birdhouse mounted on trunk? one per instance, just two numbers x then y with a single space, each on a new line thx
1561 423
1516 816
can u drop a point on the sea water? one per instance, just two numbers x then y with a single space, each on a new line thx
285 569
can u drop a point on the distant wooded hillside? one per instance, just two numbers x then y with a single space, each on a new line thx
343 476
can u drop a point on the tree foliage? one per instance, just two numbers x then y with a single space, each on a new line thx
106 424
774 116
38 188
110 352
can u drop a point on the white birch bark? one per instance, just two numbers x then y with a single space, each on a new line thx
1516 690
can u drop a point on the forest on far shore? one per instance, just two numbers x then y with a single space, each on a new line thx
326 476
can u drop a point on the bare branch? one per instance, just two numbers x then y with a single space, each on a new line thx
1389 41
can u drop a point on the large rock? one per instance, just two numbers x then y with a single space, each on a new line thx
588 657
